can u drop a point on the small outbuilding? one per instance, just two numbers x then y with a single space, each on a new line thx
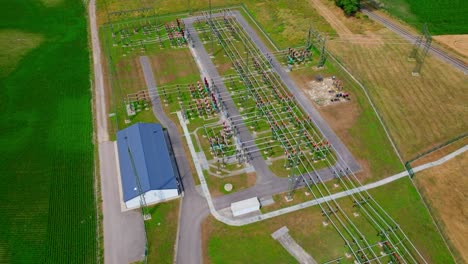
148 172
245 206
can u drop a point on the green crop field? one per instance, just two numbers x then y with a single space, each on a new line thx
47 209
442 16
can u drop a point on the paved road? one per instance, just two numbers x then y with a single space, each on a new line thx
411 38
194 208
124 236
124 232
99 91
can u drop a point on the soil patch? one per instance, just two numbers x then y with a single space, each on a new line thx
326 91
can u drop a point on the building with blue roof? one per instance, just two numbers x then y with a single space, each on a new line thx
147 165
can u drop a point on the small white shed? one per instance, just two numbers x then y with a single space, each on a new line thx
245 206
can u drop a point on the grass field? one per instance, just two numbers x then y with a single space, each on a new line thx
444 188
161 231
442 16
323 243
47 214
420 112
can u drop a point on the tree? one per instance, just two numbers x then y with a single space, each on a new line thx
350 7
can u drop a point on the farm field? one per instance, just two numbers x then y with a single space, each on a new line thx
420 112
48 210
322 242
378 58
442 16
444 189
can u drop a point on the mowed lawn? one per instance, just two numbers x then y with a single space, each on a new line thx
161 231
253 243
444 188
47 208
442 16
420 112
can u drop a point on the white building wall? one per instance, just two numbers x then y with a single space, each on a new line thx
151 197
245 206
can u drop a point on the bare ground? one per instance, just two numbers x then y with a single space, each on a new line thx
445 188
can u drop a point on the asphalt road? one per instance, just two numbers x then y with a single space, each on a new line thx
124 235
124 232
194 207
434 50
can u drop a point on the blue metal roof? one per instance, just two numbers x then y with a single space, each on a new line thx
144 152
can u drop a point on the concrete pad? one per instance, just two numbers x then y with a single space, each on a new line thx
282 236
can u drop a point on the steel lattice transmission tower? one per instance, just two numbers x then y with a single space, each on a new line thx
316 40
423 42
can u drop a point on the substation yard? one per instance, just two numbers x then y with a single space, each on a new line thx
243 118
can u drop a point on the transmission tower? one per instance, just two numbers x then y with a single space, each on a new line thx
294 175
323 55
316 40
425 41
417 45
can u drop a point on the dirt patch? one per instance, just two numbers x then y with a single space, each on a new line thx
340 117
445 188
458 43
326 91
